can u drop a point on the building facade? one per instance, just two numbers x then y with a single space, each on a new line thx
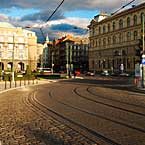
70 51
18 48
114 40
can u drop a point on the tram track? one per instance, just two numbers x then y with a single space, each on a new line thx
35 104
71 135
107 104
111 99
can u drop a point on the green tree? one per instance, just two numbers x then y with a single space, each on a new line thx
28 70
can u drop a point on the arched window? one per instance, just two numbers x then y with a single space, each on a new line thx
120 24
120 37
104 29
99 30
114 39
114 26
96 42
109 40
128 36
135 35
141 17
128 21
99 42
135 20
104 41
108 27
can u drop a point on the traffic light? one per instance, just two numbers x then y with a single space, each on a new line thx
139 49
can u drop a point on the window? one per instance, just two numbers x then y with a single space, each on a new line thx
99 30
128 22
9 54
104 29
21 40
120 37
99 42
114 39
135 20
108 27
21 46
141 17
10 39
128 36
104 41
10 46
120 24
1 39
135 35
109 40
96 42
114 26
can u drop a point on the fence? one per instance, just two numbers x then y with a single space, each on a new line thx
4 85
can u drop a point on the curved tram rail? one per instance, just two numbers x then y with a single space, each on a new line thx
66 130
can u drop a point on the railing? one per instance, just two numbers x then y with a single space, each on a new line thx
4 85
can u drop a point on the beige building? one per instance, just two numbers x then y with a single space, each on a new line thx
18 48
114 40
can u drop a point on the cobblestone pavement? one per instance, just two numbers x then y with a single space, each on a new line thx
21 125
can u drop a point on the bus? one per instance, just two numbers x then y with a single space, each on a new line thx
44 70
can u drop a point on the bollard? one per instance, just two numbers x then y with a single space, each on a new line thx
24 82
15 84
20 82
5 84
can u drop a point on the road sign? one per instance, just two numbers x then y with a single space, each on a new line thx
143 61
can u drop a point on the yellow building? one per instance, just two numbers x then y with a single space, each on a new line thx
18 48
114 40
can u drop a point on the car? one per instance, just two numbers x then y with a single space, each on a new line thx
105 73
77 73
90 74
124 74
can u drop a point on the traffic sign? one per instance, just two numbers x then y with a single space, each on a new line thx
143 61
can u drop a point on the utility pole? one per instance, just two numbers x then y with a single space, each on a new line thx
52 59
143 49
13 75
67 59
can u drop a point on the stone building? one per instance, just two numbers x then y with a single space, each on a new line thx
72 51
114 40
18 48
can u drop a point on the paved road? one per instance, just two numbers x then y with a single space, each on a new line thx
76 112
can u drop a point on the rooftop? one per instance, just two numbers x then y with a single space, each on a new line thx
6 25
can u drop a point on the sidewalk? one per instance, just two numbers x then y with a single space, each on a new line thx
5 86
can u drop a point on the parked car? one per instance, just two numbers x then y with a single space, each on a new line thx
124 74
105 73
90 74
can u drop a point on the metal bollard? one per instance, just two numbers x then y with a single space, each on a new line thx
5 84
20 82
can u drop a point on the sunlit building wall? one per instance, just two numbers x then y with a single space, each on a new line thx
114 40
17 48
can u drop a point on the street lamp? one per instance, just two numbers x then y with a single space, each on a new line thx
143 45
52 61
13 74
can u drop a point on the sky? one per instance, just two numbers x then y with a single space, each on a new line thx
72 17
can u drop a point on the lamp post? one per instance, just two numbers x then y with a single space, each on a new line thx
13 75
143 55
52 59
67 59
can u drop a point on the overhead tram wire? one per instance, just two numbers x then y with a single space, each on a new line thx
51 17
123 7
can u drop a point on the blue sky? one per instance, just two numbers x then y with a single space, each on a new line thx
72 13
